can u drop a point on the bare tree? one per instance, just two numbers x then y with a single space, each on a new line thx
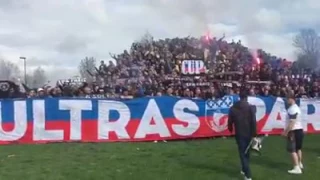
145 39
39 77
307 43
87 66
8 70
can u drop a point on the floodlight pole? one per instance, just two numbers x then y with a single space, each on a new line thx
25 68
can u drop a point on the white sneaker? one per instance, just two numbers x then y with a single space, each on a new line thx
301 166
241 172
296 170
245 178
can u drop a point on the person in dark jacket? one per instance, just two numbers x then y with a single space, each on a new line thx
242 118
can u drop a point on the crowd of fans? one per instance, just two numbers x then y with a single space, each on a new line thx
153 68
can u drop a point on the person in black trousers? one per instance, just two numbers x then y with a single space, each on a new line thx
242 118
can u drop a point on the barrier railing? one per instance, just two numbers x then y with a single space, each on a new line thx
143 119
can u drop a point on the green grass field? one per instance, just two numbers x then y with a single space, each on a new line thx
210 159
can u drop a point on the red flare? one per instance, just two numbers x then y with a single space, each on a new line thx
208 36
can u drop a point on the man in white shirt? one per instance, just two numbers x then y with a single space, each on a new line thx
294 134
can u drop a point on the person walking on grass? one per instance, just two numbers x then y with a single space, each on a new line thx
294 134
243 119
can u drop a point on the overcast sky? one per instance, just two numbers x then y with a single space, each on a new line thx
56 34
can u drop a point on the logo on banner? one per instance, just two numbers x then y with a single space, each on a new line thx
193 67
216 115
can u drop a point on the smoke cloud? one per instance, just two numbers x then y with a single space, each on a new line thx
199 16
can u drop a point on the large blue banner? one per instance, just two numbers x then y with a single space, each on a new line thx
142 119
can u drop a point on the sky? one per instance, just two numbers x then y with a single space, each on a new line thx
57 34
